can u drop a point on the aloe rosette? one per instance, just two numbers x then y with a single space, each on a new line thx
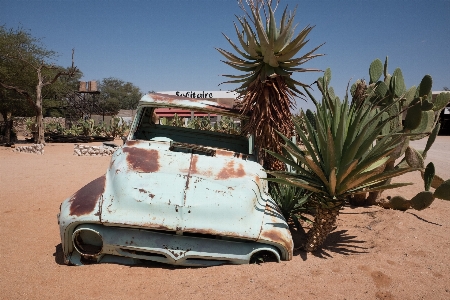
266 55
343 155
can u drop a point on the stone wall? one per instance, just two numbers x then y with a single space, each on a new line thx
85 150
20 124
34 149
80 150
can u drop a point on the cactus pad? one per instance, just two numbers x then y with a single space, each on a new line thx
375 70
414 158
413 117
398 87
425 86
443 191
399 203
425 126
436 182
441 101
381 89
409 95
422 200
428 176
426 105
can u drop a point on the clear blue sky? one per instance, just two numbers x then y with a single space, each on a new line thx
169 45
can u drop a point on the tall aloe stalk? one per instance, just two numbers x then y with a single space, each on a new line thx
266 54
340 158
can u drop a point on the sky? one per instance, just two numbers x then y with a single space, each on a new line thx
161 45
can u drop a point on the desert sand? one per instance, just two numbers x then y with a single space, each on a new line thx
374 253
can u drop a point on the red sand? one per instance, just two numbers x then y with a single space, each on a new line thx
374 253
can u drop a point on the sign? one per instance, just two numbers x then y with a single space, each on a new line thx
202 94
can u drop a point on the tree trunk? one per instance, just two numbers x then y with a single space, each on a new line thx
8 125
323 224
39 137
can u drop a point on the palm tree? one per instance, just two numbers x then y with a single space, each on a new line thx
267 59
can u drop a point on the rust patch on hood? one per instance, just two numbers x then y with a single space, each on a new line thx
229 171
146 192
226 153
132 143
84 200
142 160
193 166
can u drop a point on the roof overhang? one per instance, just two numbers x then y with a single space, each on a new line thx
214 105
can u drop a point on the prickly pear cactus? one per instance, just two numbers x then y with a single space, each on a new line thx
399 203
422 200
414 115
425 198
443 191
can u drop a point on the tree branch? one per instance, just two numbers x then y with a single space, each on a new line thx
71 72
21 92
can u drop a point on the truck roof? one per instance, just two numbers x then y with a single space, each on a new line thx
215 105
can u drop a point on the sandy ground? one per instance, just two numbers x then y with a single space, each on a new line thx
373 254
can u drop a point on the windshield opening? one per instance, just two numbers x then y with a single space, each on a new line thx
192 127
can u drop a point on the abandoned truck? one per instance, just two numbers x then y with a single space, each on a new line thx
176 195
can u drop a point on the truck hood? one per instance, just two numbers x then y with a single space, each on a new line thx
150 186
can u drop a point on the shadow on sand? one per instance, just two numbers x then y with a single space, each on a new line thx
339 242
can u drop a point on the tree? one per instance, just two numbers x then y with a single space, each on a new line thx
266 56
12 104
23 53
53 96
116 94
127 93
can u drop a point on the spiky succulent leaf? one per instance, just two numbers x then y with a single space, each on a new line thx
341 159
386 128
289 199
270 46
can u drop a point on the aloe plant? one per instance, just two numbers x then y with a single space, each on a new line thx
291 201
340 157
200 123
177 121
266 53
